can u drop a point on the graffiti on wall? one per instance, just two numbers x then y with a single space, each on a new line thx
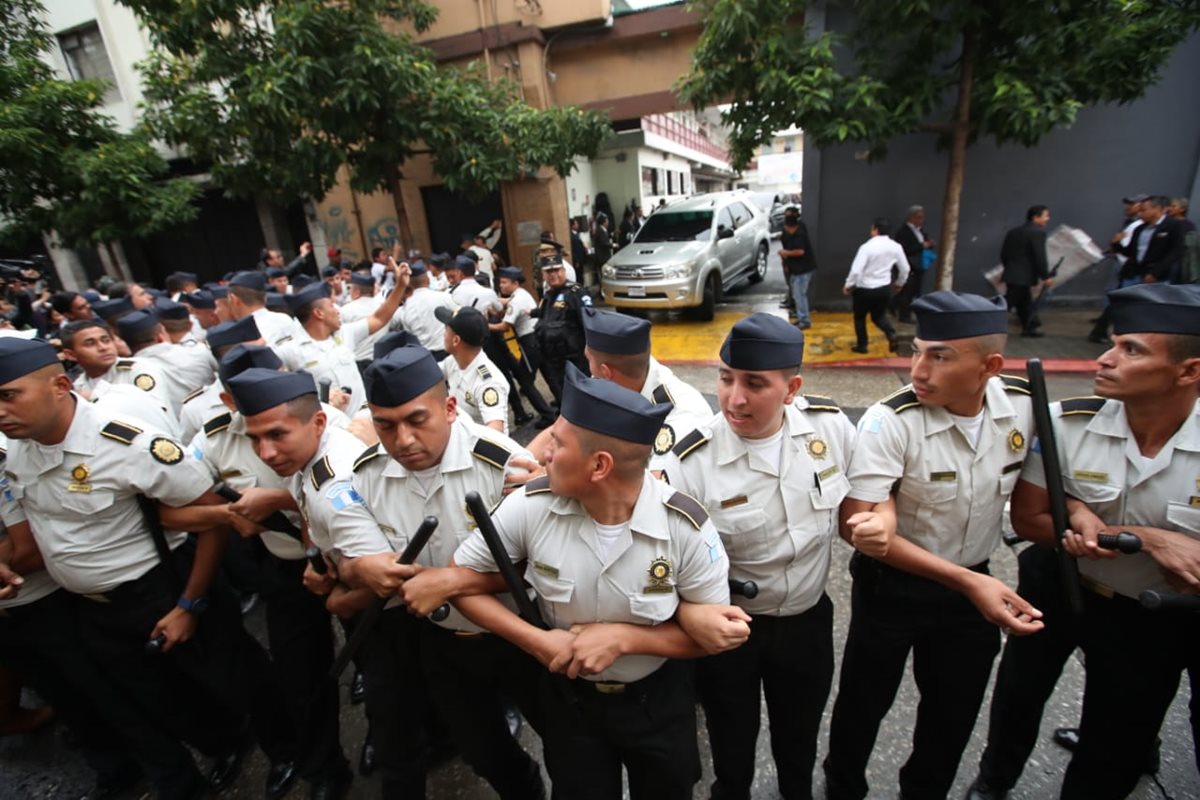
340 232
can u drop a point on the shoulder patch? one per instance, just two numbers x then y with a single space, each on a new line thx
218 423
165 451
322 471
120 432
1012 383
145 382
901 400
372 452
693 441
688 506
489 452
817 402
664 441
662 395
194 394
539 485
1089 406
125 363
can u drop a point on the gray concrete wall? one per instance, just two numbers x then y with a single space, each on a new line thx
1081 173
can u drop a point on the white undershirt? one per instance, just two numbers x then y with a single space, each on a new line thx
970 426
425 476
768 449
607 536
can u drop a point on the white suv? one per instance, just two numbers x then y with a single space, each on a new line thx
689 253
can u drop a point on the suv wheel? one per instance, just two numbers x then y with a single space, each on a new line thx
708 305
760 264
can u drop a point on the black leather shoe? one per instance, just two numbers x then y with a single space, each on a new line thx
857 349
894 345
513 718
1032 334
1067 738
225 768
982 790
523 419
358 689
280 778
332 788
366 759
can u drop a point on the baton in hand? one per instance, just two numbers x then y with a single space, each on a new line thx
747 589
275 521
370 616
483 520
1068 568
1159 601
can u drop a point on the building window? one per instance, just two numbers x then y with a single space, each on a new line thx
87 59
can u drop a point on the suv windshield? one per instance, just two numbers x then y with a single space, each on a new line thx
676 226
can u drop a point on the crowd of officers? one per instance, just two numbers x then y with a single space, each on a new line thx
673 556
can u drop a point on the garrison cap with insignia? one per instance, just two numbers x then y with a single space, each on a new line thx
242 357
466 322
329 270
763 341
606 408
362 279
201 298
251 279
550 259
257 390
108 310
19 357
136 323
391 341
512 273
239 330
959 315
169 309
307 296
401 375
1156 308
618 334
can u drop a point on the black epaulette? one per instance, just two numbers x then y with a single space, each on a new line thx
688 506
693 441
372 452
125 363
902 400
1089 406
662 395
491 453
539 485
194 394
484 372
818 403
120 432
218 423
1012 383
283 339
322 471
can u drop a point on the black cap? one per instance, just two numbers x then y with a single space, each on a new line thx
763 341
307 296
959 315
618 334
466 322
168 309
201 298
251 279
391 341
242 357
135 323
1156 308
550 260
1135 198
606 408
329 270
19 357
186 277
512 273
108 310
226 333
256 389
362 279
401 375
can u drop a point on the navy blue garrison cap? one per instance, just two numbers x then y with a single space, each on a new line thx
471 254
418 268
276 272
401 375
550 260
157 294
763 341
362 279
201 298
1156 308
278 302
256 390
219 292
439 260
466 322
618 334
463 263
19 357
329 270
108 310
186 277
227 333
612 410
389 342
302 280
512 273
169 309
307 296
135 323
959 315
242 357
251 279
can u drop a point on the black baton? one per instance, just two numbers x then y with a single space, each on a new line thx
747 589
370 615
1128 543
483 520
316 560
275 521
1159 601
1068 569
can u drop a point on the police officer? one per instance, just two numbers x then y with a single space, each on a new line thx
474 381
954 440
92 346
428 458
518 304
560 324
416 313
771 472
612 553
247 297
202 404
184 369
362 303
1130 461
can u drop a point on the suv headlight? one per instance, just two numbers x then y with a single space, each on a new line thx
679 270
608 271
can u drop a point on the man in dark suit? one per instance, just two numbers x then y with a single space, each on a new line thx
911 236
1023 255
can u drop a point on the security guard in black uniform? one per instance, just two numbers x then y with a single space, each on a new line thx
560 324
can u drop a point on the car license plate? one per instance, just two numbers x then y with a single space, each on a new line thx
637 291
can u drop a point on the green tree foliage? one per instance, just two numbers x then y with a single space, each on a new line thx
278 95
64 165
1012 70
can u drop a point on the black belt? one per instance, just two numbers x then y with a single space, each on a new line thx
610 688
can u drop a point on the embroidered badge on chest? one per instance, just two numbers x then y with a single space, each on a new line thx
1016 440
660 576
79 479
817 448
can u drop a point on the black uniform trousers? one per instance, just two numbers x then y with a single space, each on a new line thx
1029 670
953 647
40 640
397 703
901 303
517 375
200 691
301 645
554 370
873 302
1020 298
467 675
1134 661
791 660
649 728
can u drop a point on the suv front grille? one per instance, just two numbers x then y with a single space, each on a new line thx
639 273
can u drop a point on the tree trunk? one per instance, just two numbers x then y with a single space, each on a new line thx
393 180
960 132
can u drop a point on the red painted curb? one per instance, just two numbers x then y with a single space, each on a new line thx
1049 365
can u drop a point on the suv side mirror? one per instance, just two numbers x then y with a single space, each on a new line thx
724 233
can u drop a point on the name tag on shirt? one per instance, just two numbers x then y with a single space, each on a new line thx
943 476
740 500
545 569
1089 476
